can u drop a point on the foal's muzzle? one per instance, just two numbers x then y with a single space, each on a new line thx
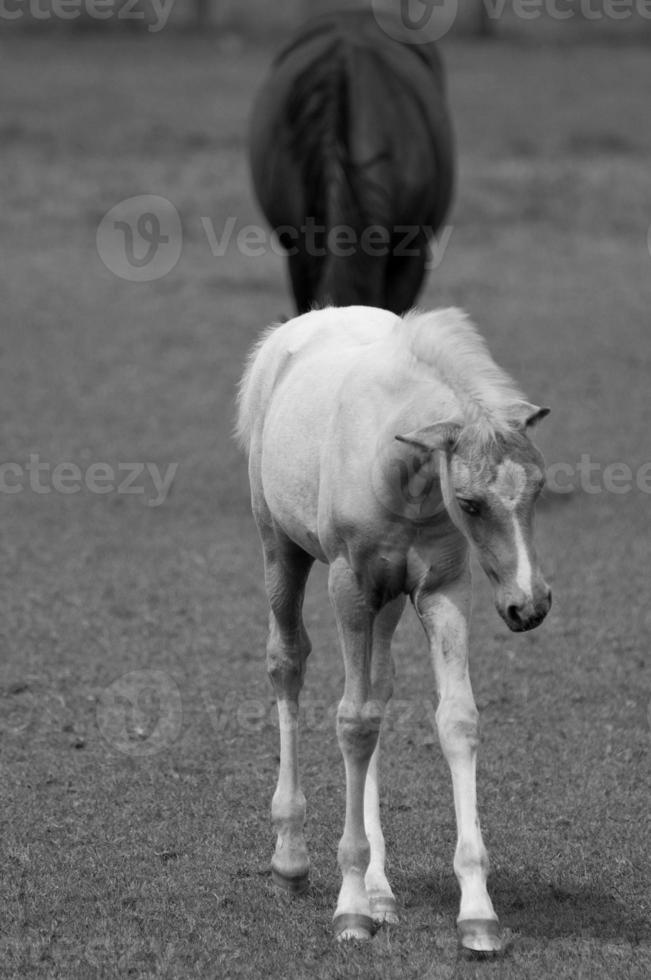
522 613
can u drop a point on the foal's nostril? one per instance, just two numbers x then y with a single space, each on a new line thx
513 614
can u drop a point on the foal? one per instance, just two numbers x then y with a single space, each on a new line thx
388 448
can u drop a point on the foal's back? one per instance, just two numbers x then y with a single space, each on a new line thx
321 403
322 344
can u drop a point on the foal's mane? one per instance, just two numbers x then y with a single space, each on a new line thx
446 341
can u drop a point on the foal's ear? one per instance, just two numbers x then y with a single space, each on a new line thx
440 435
524 415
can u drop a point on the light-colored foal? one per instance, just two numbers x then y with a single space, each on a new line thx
344 412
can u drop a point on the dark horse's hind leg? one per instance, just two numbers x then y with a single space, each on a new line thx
286 570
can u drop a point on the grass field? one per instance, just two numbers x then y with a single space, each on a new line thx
137 737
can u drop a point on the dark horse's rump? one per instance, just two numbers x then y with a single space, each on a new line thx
351 134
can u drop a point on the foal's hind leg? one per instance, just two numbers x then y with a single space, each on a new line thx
380 895
286 571
359 718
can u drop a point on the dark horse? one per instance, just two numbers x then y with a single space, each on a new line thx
352 159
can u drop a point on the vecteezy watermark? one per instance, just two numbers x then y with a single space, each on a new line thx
340 241
424 21
319 715
41 477
407 484
153 13
140 713
589 10
593 477
416 21
141 239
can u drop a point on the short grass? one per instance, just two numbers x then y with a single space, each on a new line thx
121 863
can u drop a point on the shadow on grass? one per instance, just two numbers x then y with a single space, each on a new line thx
537 908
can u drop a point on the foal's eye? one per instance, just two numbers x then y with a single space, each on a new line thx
471 507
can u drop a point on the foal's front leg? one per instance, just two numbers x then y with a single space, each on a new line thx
445 615
359 718
286 570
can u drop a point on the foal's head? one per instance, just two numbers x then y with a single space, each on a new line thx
490 483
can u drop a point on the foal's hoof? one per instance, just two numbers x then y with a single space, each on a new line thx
383 909
349 925
480 935
294 885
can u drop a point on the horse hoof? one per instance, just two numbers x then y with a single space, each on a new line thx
349 925
293 885
480 935
384 909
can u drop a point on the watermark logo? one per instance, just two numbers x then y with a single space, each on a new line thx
414 716
151 482
406 482
338 241
141 238
140 713
416 21
563 10
153 13
593 477
424 21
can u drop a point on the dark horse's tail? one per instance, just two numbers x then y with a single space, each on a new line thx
352 161
320 116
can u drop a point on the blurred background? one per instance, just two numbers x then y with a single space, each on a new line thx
138 743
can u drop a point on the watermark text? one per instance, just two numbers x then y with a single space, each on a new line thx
42 477
152 13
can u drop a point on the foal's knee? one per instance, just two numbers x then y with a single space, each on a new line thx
286 663
358 728
285 673
458 726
